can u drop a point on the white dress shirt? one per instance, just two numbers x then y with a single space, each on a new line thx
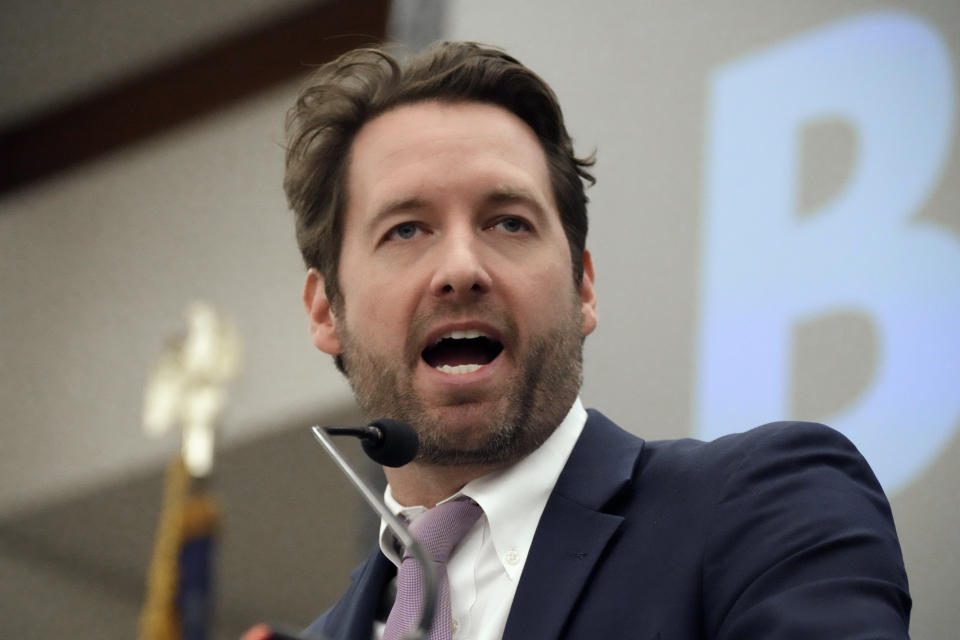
485 567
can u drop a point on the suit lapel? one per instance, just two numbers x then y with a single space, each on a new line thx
352 617
573 531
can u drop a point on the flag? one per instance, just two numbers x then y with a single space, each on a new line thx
179 599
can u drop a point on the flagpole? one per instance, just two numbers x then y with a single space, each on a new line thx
187 389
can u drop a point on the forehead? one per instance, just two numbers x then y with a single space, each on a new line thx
441 146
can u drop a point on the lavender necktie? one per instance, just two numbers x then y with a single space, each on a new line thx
438 530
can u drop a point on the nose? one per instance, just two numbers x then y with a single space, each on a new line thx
460 273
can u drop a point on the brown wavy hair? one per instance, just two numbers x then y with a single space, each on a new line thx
345 94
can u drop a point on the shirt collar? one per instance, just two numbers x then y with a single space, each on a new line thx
513 499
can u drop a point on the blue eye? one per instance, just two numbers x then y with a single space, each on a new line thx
513 225
404 231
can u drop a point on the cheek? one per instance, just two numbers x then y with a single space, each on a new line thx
376 311
381 298
545 296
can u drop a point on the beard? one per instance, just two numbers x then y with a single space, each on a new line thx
545 381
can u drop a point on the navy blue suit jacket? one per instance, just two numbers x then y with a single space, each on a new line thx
780 532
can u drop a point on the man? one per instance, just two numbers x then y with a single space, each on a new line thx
442 216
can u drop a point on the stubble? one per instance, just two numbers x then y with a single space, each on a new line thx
543 386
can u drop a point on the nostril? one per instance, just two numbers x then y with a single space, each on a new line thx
448 286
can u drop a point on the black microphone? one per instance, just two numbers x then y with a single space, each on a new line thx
390 443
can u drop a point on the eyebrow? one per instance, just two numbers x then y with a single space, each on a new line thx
510 195
399 205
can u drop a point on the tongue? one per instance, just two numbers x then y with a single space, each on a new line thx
456 352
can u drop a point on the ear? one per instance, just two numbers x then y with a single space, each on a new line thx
588 297
323 324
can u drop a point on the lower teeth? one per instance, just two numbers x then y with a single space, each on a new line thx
459 369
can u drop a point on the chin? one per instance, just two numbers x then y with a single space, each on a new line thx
462 427
478 435
467 418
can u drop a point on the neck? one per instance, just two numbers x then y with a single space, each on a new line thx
418 484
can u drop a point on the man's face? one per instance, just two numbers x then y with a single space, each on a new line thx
458 313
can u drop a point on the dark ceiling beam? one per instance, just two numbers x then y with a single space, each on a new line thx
171 94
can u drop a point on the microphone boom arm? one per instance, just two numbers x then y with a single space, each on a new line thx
399 529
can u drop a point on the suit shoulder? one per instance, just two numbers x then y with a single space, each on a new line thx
787 431
800 517
791 439
798 457
797 445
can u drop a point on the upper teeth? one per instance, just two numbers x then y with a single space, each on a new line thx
465 334
459 369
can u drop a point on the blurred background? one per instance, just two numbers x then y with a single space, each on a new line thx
774 229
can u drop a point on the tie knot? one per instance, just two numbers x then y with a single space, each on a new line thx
441 528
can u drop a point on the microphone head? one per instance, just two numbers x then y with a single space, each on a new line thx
396 446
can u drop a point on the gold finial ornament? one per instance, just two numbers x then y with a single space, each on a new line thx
188 384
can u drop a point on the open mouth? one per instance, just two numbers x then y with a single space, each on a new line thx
460 352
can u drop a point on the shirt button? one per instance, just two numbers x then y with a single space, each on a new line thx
456 625
512 556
